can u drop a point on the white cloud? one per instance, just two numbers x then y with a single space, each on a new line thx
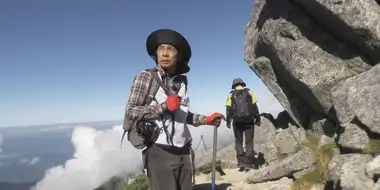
98 157
55 128
33 161
24 161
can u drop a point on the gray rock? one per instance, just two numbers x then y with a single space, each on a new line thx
262 66
226 156
305 59
299 174
337 161
321 125
359 97
353 176
353 138
373 167
356 22
285 167
281 184
289 140
264 140
324 140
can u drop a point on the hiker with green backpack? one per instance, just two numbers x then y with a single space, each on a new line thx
157 114
241 107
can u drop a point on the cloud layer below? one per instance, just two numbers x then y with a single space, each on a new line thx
98 157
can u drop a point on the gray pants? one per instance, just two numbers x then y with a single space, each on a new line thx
168 168
242 130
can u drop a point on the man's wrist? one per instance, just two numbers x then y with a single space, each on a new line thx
202 120
160 108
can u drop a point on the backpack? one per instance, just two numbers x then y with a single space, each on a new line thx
242 105
134 135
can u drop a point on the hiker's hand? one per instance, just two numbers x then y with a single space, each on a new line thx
258 121
172 103
215 119
229 124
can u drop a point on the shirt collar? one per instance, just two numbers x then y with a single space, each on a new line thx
163 73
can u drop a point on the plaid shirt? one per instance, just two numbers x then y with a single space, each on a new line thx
136 108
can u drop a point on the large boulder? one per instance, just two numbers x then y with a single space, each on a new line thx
298 59
320 60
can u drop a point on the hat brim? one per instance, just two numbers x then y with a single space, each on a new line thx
242 83
171 37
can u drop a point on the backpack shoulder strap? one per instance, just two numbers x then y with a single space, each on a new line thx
148 99
233 97
246 91
155 76
185 82
233 93
248 95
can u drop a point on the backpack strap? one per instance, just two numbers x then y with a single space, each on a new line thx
159 81
155 76
233 94
152 91
148 98
246 90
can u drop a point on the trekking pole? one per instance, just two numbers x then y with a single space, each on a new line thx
214 148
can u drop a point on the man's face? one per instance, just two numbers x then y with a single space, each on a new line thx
167 56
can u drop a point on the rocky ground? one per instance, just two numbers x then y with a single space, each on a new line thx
320 60
235 180
291 158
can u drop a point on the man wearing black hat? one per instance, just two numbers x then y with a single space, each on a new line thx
241 107
167 160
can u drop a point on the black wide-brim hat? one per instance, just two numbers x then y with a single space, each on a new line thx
171 37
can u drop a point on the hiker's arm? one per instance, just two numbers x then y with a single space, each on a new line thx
135 108
254 98
195 119
229 108
254 102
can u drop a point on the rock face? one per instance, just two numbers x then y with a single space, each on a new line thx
359 97
354 22
320 60
297 162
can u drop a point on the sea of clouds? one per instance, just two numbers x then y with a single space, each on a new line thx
98 157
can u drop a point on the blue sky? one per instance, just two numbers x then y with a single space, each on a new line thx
74 61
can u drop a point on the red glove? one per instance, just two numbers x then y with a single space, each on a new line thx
172 103
214 119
